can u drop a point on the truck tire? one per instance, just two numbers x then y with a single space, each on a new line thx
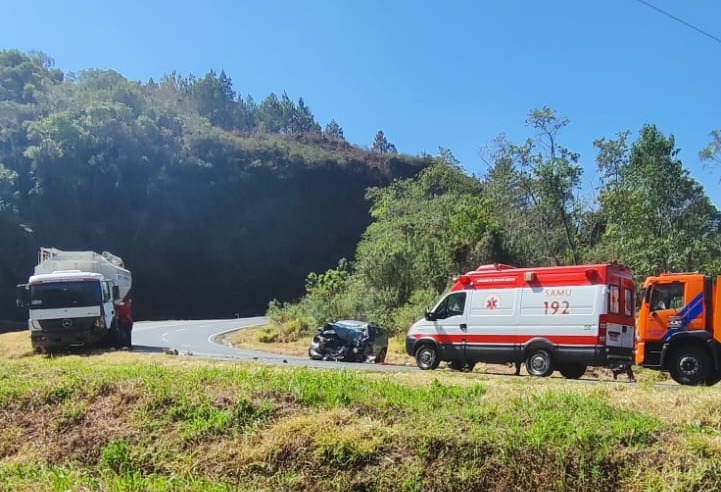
691 365
573 370
427 357
539 363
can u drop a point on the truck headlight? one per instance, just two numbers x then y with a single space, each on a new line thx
35 325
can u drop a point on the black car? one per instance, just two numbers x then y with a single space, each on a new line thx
350 341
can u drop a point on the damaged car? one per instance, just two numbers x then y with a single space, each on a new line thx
350 341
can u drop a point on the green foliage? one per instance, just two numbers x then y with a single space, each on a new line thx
712 152
425 231
289 322
657 218
534 188
181 178
116 456
381 144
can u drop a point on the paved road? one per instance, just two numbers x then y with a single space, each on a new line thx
198 338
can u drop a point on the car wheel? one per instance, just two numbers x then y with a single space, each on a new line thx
381 357
690 365
427 357
539 363
573 370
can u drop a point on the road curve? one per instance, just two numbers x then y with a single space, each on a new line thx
198 338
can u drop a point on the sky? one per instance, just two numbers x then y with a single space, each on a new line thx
429 73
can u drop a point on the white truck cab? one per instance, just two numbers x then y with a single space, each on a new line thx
74 299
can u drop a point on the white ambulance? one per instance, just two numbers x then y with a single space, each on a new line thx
565 318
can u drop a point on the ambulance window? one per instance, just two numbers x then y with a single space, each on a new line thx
628 302
453 305
614 301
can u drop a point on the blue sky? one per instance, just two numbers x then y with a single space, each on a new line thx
428 73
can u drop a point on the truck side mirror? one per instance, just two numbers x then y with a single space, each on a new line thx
430 315
22 299
116 293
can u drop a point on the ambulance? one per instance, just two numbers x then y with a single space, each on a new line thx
563 318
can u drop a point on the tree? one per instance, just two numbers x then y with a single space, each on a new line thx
712 152
270 115
544 178
381 144
657 217
215 99
425 230
334 130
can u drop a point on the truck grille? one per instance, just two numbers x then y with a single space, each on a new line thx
61 324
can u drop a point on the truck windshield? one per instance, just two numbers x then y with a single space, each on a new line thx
64 294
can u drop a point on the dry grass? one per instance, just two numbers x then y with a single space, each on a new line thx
130 421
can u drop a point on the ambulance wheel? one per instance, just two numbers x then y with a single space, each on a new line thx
427 357
458 365
690 365
539 363
573 370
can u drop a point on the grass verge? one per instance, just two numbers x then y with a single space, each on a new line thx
124 421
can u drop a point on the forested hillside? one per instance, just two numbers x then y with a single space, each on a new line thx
217 204
528 209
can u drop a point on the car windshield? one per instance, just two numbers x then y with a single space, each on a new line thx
64 294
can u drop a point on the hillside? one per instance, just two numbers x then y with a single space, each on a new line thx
217 204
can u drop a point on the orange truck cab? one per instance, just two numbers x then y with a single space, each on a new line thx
678 327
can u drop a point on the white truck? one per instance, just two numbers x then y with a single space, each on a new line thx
77 299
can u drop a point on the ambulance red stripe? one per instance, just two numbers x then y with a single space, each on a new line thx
511 339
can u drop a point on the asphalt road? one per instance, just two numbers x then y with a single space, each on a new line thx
199 338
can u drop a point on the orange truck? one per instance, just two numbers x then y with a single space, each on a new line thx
679 327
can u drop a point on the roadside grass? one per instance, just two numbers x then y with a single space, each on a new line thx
126 421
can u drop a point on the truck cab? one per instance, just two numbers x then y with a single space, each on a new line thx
77 299
69 308
676 330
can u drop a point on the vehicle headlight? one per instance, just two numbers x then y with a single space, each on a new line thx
35 325
99 322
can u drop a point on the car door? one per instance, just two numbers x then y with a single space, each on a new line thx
665 302
451 325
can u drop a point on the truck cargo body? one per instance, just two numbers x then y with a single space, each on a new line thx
564 318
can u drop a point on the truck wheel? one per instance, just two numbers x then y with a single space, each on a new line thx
427 357
573 370
539 363
690 365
